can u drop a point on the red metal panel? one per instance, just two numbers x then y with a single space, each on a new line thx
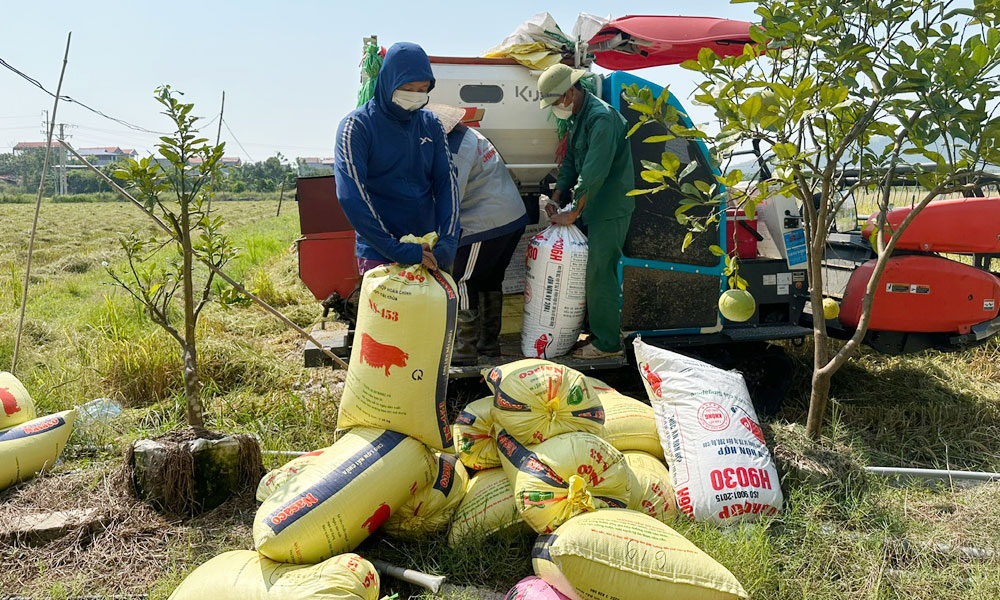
319 210
327 263
969 225
923 294
671 40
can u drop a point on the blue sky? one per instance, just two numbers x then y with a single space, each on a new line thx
289 69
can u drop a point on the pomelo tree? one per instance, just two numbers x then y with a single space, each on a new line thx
175 190
835 83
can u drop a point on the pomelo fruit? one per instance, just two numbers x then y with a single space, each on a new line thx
831 309
737 305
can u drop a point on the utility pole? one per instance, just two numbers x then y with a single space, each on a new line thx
218 136
63 188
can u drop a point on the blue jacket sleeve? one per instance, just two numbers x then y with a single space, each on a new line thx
446 198
351 171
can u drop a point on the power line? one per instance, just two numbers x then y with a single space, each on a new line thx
235 139
66 98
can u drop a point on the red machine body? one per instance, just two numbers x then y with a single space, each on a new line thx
961 225
921 293
327 262
640 41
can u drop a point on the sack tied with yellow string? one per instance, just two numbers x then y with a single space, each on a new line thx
247 575
430 511
398 375
625 555
343 497
473 436
535 400
629 424
656 493
16 403
562 477
487 508
29 447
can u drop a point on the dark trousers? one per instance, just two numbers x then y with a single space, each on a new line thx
480 266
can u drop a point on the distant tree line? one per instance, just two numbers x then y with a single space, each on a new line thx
22 171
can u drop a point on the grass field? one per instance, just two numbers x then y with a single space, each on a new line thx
850 537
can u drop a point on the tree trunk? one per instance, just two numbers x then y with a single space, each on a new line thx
820 380
818 400
192 387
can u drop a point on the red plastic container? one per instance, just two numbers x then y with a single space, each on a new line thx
923 294
741 243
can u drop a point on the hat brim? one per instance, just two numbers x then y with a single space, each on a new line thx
574 76
448 115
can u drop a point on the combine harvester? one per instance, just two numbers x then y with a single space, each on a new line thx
670 297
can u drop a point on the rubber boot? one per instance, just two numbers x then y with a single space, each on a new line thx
467 329
491 306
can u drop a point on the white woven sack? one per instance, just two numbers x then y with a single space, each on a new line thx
720 466
555 296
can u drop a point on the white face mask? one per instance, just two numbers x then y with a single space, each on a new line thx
562 112
409 100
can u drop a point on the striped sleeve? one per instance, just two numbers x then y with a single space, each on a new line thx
351 172
446 197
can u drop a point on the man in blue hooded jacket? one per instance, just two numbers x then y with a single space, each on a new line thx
394 171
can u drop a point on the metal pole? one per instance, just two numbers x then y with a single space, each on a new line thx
208 264
38 208
935 474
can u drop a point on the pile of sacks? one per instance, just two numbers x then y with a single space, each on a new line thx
392 467
551 450
28 443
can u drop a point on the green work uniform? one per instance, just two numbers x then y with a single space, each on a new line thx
598 166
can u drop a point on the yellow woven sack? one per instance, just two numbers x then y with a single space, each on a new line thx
276 477
398 374
343 497
16 406
488 507
567 475
629 424
430 511
28 448
246 575
473 437
626 555
535 400
656 493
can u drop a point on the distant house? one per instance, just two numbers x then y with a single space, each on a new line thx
311 165
106 155
22 147
227 162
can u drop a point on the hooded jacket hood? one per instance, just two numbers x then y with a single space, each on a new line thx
404 62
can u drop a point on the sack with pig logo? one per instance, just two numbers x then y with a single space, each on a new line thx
535 400
29 447
430 511
16 406
720 466
246 575
344 495
398 375
570 474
